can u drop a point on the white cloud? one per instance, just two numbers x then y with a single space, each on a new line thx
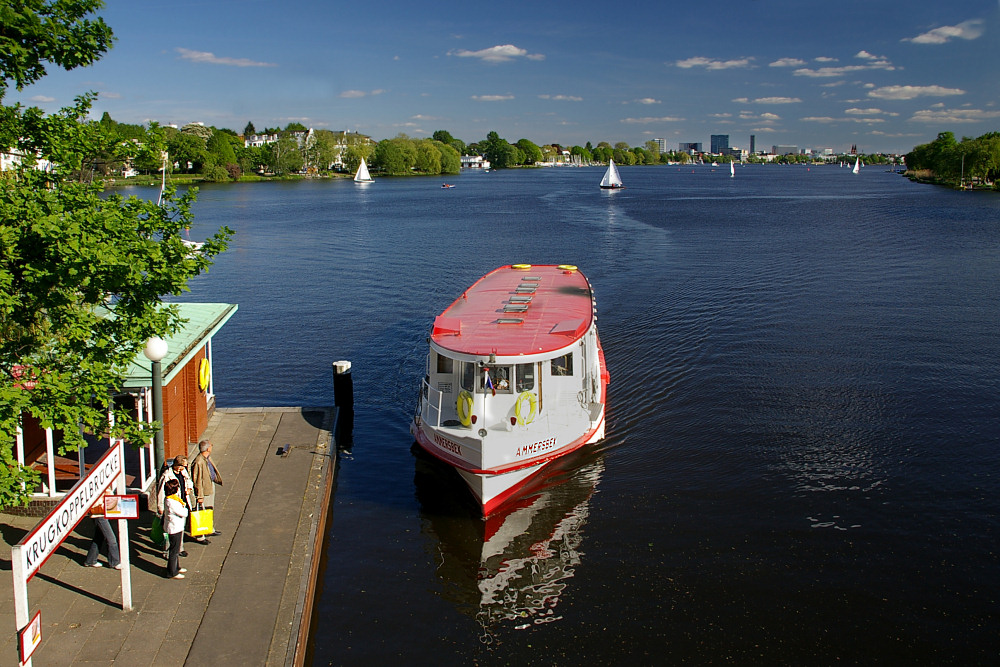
42 98
212 59
561 98
647 100
828 119
710 64
954 116
868 112
776 100
788 62
492 98
824 59
966 30
910 92
352 94
872 62
662 119
501 53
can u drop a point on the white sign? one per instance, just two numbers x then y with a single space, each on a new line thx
42 542
31 637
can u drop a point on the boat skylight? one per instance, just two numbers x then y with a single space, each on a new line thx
510 320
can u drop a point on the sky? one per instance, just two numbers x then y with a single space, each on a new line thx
884 75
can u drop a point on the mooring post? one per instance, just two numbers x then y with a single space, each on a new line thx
343 398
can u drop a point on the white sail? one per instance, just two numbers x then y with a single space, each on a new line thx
732 169
363 176
857 165
611 178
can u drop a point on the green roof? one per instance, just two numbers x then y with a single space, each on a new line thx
203 321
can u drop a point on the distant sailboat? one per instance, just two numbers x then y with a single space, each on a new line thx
363 176
732 169
857 165
611 180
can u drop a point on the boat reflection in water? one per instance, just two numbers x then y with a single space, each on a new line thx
513 566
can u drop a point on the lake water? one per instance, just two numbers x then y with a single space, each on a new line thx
802 458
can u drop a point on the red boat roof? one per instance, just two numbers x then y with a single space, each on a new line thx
518 309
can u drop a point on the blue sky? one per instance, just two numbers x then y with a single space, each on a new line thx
883 74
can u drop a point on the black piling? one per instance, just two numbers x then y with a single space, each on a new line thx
343 399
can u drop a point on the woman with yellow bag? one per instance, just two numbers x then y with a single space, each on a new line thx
175 513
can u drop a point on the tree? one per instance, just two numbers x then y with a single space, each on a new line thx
295 126
532 153
188 151
249 129
428 158
54 31
285 156
388 158
82 274
197 130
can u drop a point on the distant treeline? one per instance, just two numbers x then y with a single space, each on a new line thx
951 162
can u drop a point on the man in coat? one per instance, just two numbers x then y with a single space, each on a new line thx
205 475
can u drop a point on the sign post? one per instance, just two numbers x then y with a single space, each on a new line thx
28 555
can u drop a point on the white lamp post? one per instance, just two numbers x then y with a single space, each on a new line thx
156 349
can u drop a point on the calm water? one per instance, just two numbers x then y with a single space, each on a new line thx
802 455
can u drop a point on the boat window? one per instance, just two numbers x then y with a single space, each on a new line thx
445 364
525 377
468 376
562 365
496 378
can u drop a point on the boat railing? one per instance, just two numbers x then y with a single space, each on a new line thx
430 412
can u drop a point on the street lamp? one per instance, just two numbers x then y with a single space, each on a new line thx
156 349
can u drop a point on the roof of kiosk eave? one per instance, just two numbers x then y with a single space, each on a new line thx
203 321
560 312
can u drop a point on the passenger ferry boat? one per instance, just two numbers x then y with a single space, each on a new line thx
515 378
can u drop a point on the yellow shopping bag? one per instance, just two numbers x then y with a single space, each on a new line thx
201 522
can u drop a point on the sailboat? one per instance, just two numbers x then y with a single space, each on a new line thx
732 169
363 176
857 165
611 180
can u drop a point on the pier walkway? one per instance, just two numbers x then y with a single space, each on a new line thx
247 596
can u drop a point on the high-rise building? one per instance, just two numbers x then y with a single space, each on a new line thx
720 142
753 144
694 147
661 145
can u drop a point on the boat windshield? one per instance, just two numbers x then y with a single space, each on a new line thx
495 379
525 377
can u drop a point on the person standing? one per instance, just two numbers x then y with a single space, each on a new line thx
104 537
175 514
205 475
178 471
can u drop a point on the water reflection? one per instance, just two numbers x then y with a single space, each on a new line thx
514 566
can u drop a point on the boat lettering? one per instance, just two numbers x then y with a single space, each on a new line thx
444 443
536 447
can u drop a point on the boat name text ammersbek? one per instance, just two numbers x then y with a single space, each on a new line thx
536 447
444 443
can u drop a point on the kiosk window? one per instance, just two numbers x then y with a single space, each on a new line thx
562 365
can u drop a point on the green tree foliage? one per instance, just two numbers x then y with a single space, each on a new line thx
445 138
34 33
81 273
532 153
950 161
286 158
197 130
249 129
296 127
402 155
188 152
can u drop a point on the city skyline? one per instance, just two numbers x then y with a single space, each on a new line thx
883 76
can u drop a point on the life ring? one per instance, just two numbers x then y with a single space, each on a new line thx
204 374
464 407
532 408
